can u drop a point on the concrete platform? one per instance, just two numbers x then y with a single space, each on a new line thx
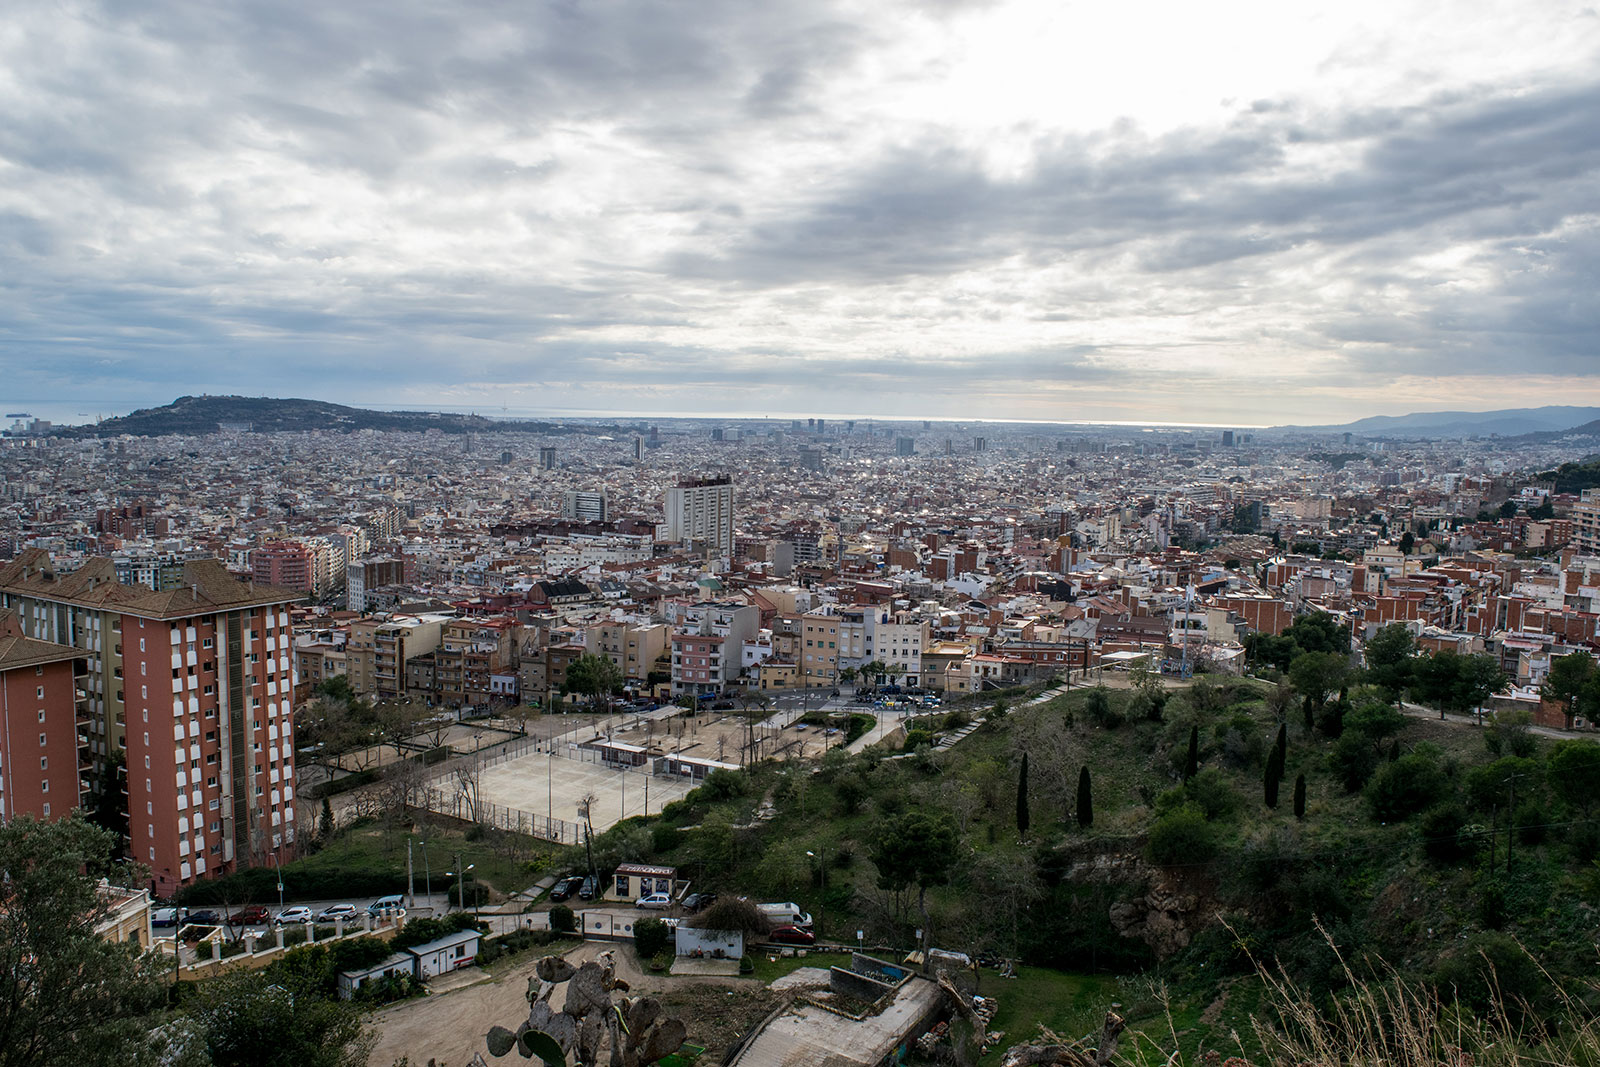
712 967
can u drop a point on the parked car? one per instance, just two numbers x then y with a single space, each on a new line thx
297 914
336 912
565 887
388 905
696 901
658 901
164 917
791 935
254 915
204 917
589 889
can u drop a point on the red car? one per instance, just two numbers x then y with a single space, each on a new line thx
254 915
791 935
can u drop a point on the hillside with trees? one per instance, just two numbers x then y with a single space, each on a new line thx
1176 837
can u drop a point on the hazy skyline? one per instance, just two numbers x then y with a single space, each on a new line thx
1244 213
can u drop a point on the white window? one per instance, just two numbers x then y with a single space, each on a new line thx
41 692
47 809
41 715
44 763
41 740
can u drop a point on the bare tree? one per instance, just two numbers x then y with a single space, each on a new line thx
469 776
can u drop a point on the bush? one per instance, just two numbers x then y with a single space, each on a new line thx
665 838
732 914
1443 834
1352 761
1401 789
1100 709
851 790
1241 741
562 920
650 937
421 931
1181 836
1209 791
723 784
916 739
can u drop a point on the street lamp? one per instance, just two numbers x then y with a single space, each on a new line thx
279 872
822 906
427 877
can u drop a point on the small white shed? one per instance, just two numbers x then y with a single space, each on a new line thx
403 963
448 953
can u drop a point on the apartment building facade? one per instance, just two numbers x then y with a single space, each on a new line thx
194 687
701 510
44 758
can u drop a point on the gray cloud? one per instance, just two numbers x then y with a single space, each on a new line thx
600 198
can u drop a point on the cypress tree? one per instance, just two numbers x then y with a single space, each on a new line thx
1273 777
1300 797
1283 746
1310 714
1022 796
1085 799
1394 750
1191 765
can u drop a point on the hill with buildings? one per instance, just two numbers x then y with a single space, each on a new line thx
199 415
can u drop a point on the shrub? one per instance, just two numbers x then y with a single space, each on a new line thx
562 919
1375 720
850 790
1181 836
1443 837
1100 709
1240 741
732 914
723 784
1352 761
1405 787
1211 793
665 838
650 937
915 739
421 931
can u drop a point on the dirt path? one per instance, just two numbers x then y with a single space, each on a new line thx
449 1027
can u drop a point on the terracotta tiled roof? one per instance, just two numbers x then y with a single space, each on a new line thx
207 587
17 650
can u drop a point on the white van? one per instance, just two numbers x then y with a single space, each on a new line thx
389 905
786 913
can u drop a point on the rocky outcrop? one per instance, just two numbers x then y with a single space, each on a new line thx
1165 918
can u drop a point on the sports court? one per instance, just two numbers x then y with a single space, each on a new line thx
553 785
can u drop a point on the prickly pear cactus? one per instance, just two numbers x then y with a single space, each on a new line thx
590 1028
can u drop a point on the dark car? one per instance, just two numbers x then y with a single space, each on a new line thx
791 935
696 901
723 705
565 887
202 918
254 915
589 888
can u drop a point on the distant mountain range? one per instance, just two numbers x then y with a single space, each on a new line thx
1507 422
198 415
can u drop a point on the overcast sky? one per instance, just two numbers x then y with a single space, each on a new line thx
1206 212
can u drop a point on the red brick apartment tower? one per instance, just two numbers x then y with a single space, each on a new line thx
194 686
41 767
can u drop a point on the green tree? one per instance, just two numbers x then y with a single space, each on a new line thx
1575 772
1402 788
1274 776
1181 836
1315 675
1408 541
1191 762
594 676
68 997
1569 676
1389 656
1375 721
1085 799
1319 632
916 849
562 919
252 1019
1300 796
1022 797
650 937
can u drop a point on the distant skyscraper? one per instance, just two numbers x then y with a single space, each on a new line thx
810 457
505 459
1227 438
701 509
547 459
949 447
905 446
979 444
717 433
638 449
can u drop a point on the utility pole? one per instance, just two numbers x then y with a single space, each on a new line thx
411 878
1511 815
